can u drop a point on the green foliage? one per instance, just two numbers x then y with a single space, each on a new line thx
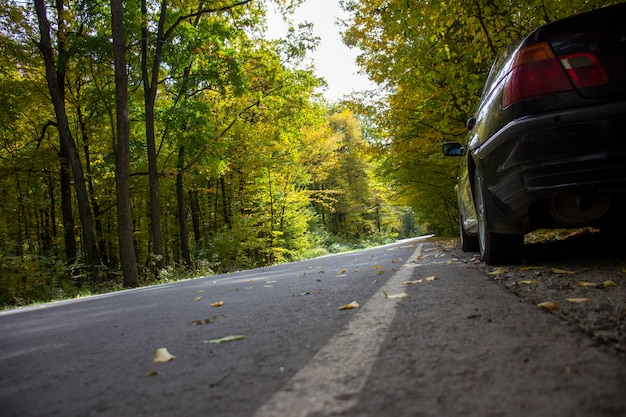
433 58
264 170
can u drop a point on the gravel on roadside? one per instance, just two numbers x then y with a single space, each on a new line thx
578 275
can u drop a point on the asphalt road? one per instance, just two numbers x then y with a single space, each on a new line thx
457 344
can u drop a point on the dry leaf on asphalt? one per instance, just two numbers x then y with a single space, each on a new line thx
499 271
197 299
204 321
162 355
226 339
431 279
350 306
579 300
587 284
528 268
528 282
548 305
217 304
399 295
562 271
609 283
417 281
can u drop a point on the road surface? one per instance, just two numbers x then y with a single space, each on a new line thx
430 337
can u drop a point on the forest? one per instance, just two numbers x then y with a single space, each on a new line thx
144 141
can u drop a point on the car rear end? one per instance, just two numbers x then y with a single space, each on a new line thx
553 153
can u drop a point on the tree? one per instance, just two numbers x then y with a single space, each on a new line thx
55 75
122 156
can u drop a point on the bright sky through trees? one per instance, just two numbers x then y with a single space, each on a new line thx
334 61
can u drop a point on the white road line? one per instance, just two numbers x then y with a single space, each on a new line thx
334 377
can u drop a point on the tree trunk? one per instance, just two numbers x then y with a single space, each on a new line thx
122 155
195 218
150 85
182 215
97 213
69 235
55 79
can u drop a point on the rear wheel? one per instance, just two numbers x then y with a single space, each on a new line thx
495 248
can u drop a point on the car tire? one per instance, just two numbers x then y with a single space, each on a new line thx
495 248
468 243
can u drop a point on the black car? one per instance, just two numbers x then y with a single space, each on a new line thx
547 145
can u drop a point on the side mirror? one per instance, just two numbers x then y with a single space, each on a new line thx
471 122
453 149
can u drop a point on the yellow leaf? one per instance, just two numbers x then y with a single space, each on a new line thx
498 271
152 373
609 283
587 284
430 279
217 304
200 290
528 282
162 355
579 300
350 306
548 305
624 270
381 272
197 299
562 271
528 268
378 266
412 282
399 295
226 339
203 321
343 271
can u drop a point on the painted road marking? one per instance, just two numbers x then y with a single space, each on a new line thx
332 380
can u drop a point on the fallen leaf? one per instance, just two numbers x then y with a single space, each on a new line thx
226 339
268 286
203 321
499 271
431 279
399 295
162 355
152 373
350 306
624 270
343 271
562 271
417 281
609 283
378 266
381 272
217 304
579 300
200 290
528 282
548 305
270 282
587 284
197 299
528 268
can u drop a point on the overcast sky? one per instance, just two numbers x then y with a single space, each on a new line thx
334 61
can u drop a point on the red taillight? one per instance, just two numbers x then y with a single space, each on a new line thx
584 69
536 71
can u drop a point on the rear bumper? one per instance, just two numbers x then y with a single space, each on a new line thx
534 158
